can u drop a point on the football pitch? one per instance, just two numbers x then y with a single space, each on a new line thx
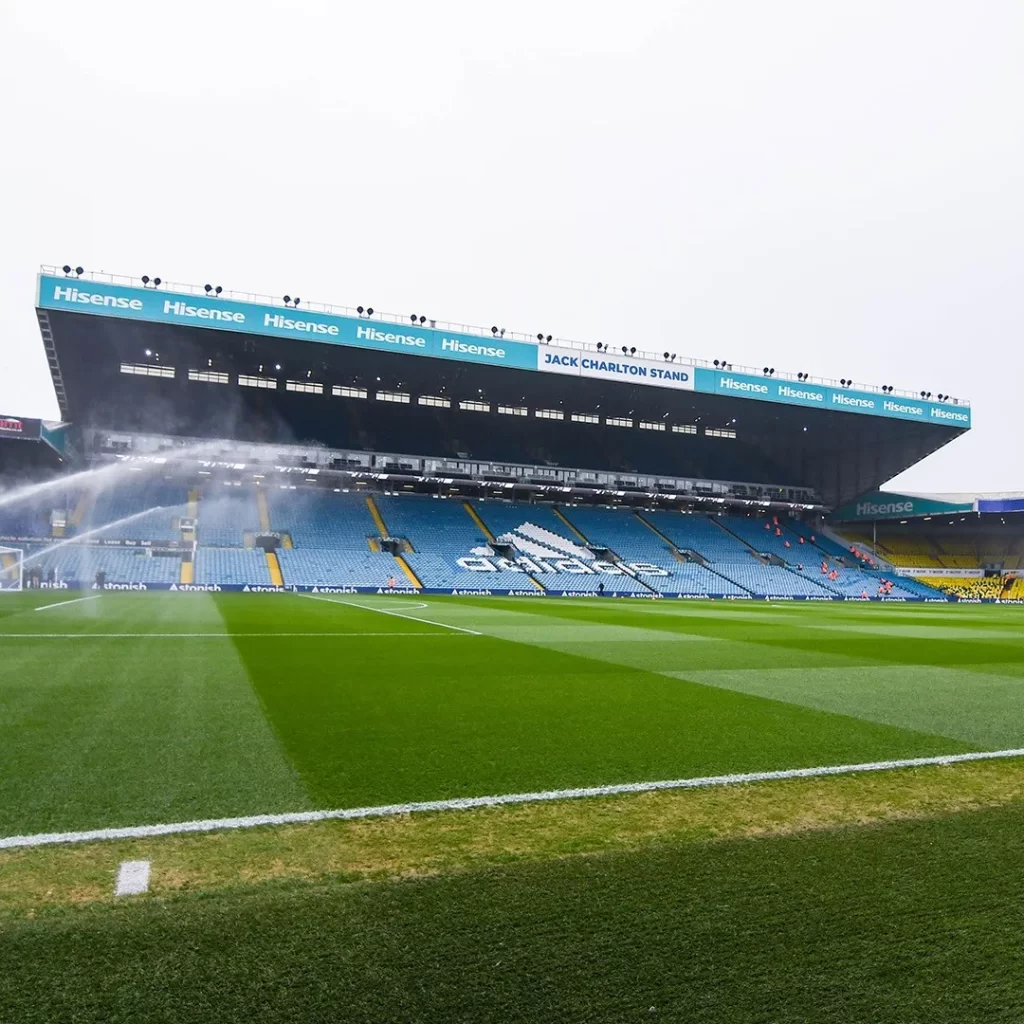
885 895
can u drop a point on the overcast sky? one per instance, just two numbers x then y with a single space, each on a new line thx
827 187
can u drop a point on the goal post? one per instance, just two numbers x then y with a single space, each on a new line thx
12 570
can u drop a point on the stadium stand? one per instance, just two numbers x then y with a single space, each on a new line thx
158 505
440 531
984 586
226 514
338 568
231 566
631 539
322 519
119 565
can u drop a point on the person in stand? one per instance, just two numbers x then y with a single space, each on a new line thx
600 589
391 583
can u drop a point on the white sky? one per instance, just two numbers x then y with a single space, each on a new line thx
834 188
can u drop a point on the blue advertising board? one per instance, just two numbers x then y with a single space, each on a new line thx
266 588
278 322
1001 504
820 396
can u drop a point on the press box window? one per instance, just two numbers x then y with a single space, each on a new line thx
209 377
246 380
147 370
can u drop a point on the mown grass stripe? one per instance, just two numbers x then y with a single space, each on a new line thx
469 803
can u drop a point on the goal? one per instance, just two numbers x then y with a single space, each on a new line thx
11 569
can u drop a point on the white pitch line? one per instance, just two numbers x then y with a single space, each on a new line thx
151 636
132 878
60 604
471 802
389 611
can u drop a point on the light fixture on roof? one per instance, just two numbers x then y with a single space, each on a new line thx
277 366
632 350
494 330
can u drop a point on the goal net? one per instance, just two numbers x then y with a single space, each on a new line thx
11 569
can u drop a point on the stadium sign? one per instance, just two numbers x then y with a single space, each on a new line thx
820 396
609 366
148 304
11 425
880 505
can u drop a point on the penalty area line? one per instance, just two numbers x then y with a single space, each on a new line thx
389 611
472 802
60 604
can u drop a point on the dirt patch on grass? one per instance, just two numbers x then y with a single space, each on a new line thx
429 844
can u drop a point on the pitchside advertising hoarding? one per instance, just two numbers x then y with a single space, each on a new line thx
273 321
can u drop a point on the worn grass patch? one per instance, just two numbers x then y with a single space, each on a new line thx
430 844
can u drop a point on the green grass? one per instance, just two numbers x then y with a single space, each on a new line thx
908 922
874 898
369 708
